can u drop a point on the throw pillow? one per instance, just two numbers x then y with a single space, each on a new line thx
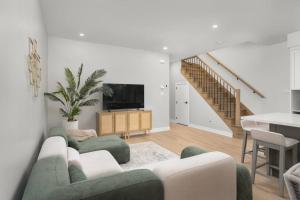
81 135
73 143
76 174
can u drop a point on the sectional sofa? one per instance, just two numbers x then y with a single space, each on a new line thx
197 175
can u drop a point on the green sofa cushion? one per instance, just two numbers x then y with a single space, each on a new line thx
244 185
57 131
76 174
46 176
118 148
73 143
191 151
132 185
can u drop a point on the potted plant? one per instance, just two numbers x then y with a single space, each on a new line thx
74 96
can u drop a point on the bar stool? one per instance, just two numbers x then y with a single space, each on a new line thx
277 141
247 126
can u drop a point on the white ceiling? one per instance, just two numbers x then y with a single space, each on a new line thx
182 25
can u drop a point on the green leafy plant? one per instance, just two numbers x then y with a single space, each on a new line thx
74 96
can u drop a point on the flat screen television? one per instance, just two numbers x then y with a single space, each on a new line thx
125 96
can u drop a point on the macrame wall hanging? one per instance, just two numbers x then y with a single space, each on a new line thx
34 67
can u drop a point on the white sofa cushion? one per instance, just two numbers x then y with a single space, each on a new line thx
99 164
54 146
73 157
208 176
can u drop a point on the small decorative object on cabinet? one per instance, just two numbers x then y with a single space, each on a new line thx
124 122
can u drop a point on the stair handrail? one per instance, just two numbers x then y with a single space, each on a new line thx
232 90
255 91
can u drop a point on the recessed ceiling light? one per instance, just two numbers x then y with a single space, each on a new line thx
215 26
165 48
162 61
81 34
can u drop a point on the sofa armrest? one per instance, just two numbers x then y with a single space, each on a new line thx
208 176
244 185
133 185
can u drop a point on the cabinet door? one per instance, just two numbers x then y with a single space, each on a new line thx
133 121
106 121
296 75
120 122
146 120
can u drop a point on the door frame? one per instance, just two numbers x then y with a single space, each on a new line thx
188 104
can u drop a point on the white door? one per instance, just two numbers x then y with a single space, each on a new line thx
182 103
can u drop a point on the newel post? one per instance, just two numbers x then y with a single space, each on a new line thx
237 107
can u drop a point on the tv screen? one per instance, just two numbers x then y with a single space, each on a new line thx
125 96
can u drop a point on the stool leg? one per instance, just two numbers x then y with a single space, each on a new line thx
295 154
254 160
244 146
281 170
268 160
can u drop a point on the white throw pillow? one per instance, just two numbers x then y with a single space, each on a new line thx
73 157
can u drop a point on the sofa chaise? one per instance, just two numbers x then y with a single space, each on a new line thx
112 143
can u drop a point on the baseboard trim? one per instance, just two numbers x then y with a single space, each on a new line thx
173 121
160 129
154 130
208 129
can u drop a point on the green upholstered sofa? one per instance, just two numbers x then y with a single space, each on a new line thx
244 184
50 179
112 143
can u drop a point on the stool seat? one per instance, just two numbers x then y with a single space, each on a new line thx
289 142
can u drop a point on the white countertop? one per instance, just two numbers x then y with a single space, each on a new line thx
286 119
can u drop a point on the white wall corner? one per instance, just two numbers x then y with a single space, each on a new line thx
212 130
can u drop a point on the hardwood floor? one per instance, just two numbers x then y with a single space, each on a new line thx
179 137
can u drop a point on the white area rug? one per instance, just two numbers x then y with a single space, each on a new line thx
147 153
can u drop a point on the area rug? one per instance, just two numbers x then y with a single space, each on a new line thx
145 153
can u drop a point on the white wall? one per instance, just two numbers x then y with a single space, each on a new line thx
264 67
23 117
123 65
200 113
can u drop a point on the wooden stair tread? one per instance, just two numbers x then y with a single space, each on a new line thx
215 94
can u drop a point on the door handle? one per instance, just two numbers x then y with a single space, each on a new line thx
186 102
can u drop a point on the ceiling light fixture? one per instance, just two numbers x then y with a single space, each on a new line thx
165 48
215 26
81 34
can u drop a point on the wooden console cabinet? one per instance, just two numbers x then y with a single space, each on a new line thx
124 122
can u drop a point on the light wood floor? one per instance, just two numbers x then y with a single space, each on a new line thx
179 137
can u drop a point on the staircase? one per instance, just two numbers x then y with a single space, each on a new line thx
218 93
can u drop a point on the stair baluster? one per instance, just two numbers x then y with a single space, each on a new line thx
223 96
